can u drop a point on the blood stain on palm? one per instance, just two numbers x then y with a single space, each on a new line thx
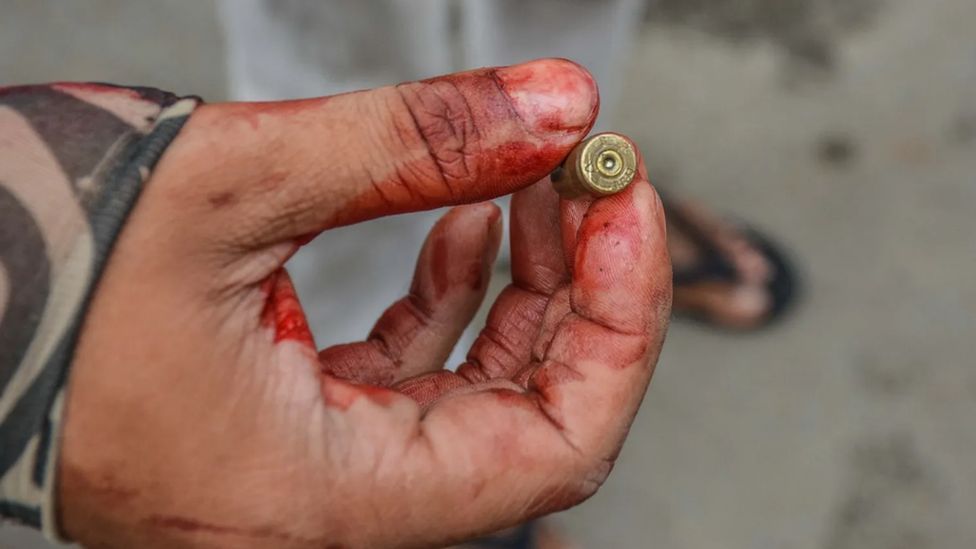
283 312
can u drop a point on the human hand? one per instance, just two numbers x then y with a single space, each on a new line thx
199 412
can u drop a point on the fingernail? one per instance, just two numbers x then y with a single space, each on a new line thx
551 94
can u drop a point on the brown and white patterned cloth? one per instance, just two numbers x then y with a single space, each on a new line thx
73 160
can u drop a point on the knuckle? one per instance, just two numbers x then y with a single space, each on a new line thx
441 121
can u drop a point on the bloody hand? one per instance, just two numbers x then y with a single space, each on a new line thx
200 411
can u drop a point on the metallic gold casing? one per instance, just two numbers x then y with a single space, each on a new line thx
602 165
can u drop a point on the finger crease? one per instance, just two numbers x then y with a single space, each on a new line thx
604 324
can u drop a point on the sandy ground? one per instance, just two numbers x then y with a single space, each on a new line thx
845 128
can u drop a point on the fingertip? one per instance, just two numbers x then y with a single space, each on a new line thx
493 215
646 192
482 220
486 213
648 202
552 95
621 268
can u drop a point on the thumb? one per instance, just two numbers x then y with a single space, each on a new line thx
300 167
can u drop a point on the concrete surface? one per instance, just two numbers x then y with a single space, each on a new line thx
845 128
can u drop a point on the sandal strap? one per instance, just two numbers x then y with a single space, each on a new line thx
713 265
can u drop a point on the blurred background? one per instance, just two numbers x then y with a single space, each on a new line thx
846 129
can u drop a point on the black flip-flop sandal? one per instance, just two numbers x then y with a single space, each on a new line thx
783 286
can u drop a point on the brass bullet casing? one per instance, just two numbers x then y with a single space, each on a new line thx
602 165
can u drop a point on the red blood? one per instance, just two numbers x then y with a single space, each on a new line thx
504 168
479 271
521 161
499 169
25 89
439 267
612 248
476 276
545 381
305 239
556 80
561 79
553 123
624 230
282 310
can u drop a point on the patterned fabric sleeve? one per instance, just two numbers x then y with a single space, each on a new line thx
73 159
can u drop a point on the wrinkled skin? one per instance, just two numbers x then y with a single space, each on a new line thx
200 413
